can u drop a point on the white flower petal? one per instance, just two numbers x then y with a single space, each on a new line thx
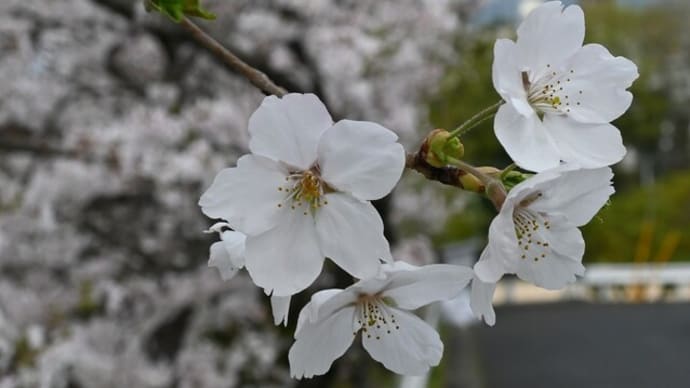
320 343
413 289
506 75
351 234
280 307
246 196
548 36
286 259
498 257
577 194
481 300
411 347
565 239
288 129
325 303
396 266
587 145
312 311
555 265
491 265
219 258
371 286
361 158
553 272
525 139
536 183
234 243
597 83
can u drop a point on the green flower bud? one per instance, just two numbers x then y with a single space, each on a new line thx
441 147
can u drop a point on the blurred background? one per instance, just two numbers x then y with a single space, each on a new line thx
113 121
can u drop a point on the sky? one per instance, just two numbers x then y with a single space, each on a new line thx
495 11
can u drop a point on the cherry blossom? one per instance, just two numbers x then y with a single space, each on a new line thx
536 235
303 193
560 95
378 308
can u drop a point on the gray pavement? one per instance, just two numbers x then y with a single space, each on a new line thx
579 345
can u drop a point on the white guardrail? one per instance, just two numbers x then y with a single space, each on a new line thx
675 274
622 283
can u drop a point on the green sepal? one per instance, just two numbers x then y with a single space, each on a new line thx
178 9
514 178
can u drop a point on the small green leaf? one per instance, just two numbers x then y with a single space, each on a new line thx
193 8
177 9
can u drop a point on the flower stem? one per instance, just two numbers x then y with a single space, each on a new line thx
476 124
255 76
477 119
494 189
470 169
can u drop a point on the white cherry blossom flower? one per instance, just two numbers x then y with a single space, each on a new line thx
377 307
303 193
228 255
536 235
560 95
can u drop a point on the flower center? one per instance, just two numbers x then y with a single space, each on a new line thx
530 228
374 317
550 92
304 188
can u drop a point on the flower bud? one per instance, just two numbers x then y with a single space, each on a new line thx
470 182
440 146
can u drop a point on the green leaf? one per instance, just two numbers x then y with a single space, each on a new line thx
178 9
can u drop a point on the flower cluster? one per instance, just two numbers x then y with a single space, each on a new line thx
560 97
303 194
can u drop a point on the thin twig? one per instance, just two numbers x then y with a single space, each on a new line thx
256 77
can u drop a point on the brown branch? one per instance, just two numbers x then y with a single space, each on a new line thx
255 76
36 148
447 175
464 176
